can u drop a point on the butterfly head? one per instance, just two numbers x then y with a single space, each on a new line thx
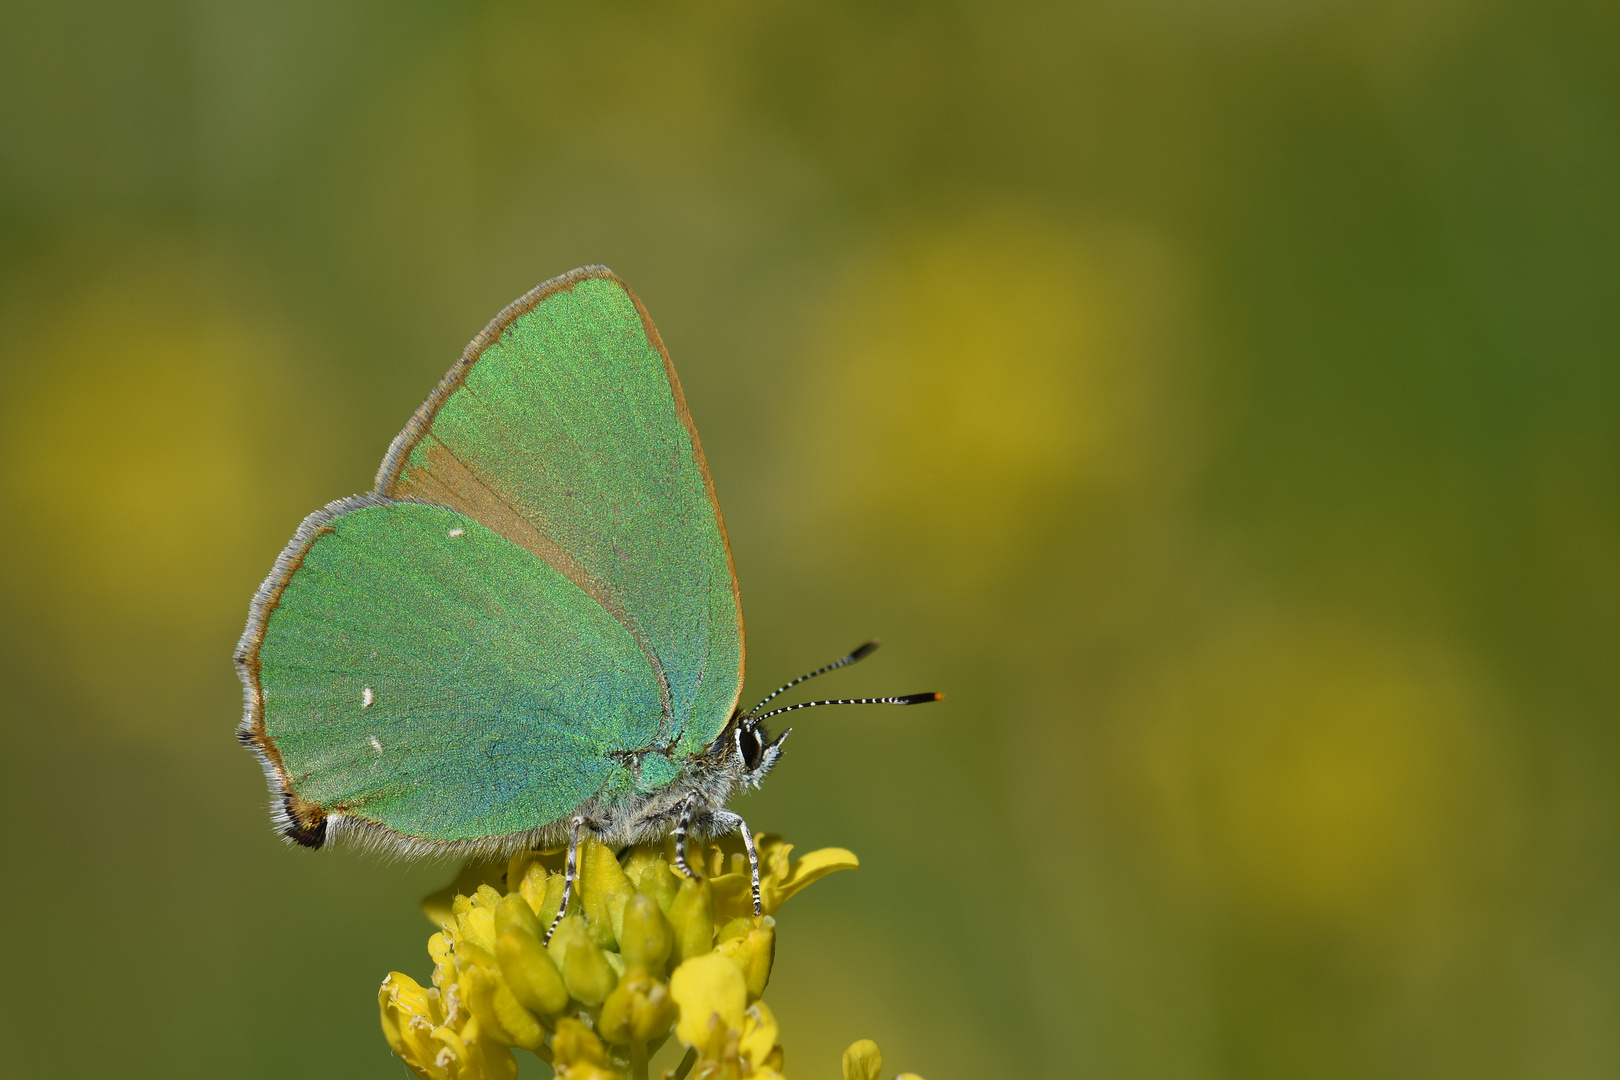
753 749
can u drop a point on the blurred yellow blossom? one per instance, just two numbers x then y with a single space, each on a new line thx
642 953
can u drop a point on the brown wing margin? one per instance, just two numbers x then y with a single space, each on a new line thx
294 818
685 415
399 451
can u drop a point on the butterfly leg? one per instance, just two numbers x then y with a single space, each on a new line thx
724 821
753 863
681 826
570 873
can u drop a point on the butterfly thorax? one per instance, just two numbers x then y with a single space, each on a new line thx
738 759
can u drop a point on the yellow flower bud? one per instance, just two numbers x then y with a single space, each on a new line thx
550 899
530 972
863 1061
658 881
639 861
752 947
585 970
646 937
578 1053
475 920
484 1058
706 987
506 1021
639 1009
691 913
514 912
524 1026
604 890
532 884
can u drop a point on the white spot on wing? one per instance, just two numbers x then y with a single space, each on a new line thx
456 532
375 745
366 698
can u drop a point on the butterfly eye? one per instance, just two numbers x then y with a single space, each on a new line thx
748 746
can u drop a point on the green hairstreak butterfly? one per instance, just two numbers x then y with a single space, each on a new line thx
530 630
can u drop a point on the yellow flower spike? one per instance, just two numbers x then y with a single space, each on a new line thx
585 970
530 972
691 913
639 1009
752 947
646 937
604 889
706 986
498 987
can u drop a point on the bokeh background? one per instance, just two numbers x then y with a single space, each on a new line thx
1218 398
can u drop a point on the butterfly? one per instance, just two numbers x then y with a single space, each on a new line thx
530 631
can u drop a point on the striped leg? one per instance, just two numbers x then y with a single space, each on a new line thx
570 873
725 821
753 863
683 824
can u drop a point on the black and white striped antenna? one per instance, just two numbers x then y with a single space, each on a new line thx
859 653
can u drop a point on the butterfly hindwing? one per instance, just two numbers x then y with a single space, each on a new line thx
422 673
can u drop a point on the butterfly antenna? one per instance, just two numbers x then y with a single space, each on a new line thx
860 653
904 699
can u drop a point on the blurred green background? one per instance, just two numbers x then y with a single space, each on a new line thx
1218 398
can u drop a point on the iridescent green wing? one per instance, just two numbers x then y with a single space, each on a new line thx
563 428
549 615
409 668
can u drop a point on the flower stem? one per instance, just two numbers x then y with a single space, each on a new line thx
638 1060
